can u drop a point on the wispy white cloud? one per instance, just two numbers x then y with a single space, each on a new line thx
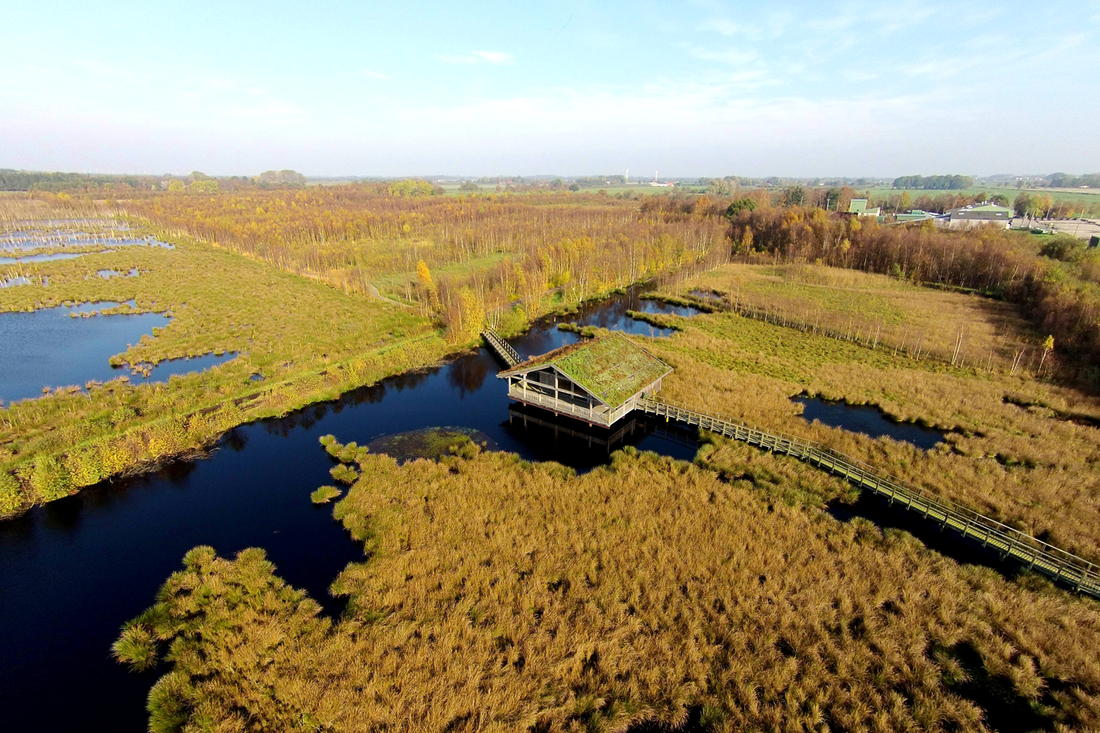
494 57
730 56
488 57
721 26
747 70
376 74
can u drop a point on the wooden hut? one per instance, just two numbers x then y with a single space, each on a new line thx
598 381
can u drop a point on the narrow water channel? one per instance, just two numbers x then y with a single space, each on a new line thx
73 571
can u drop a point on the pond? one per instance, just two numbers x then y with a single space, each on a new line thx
73 571
21 251
867 420
52 348
613 315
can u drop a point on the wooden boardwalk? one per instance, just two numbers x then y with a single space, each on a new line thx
1058 565
502 348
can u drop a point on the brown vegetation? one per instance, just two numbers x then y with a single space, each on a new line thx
1019 450
500 595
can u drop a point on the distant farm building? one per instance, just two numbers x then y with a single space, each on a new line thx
859 208
598 381
976 215
915 215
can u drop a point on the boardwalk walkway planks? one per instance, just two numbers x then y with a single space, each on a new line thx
502 348
1033 554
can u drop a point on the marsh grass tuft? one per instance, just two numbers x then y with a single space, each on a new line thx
325 494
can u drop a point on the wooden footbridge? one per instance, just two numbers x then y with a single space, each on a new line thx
502 348
1033 554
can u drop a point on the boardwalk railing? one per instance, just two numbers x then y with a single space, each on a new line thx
1034 554
502 348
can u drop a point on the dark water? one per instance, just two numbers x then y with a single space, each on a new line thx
50 348
73 571
706 295
613 316
867 420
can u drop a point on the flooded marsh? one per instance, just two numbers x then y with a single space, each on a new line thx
55 347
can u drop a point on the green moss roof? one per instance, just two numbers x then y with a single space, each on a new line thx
612 368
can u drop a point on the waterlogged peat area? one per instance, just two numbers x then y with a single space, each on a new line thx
73 571
432 443
51 348
40 258
29 241
108 274
867 420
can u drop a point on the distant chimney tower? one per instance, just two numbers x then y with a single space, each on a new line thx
626 178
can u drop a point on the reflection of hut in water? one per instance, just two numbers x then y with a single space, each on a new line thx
598 381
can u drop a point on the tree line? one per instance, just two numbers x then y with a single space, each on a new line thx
935 183
16 180
1065 180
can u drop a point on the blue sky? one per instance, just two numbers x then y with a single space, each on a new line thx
703 88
